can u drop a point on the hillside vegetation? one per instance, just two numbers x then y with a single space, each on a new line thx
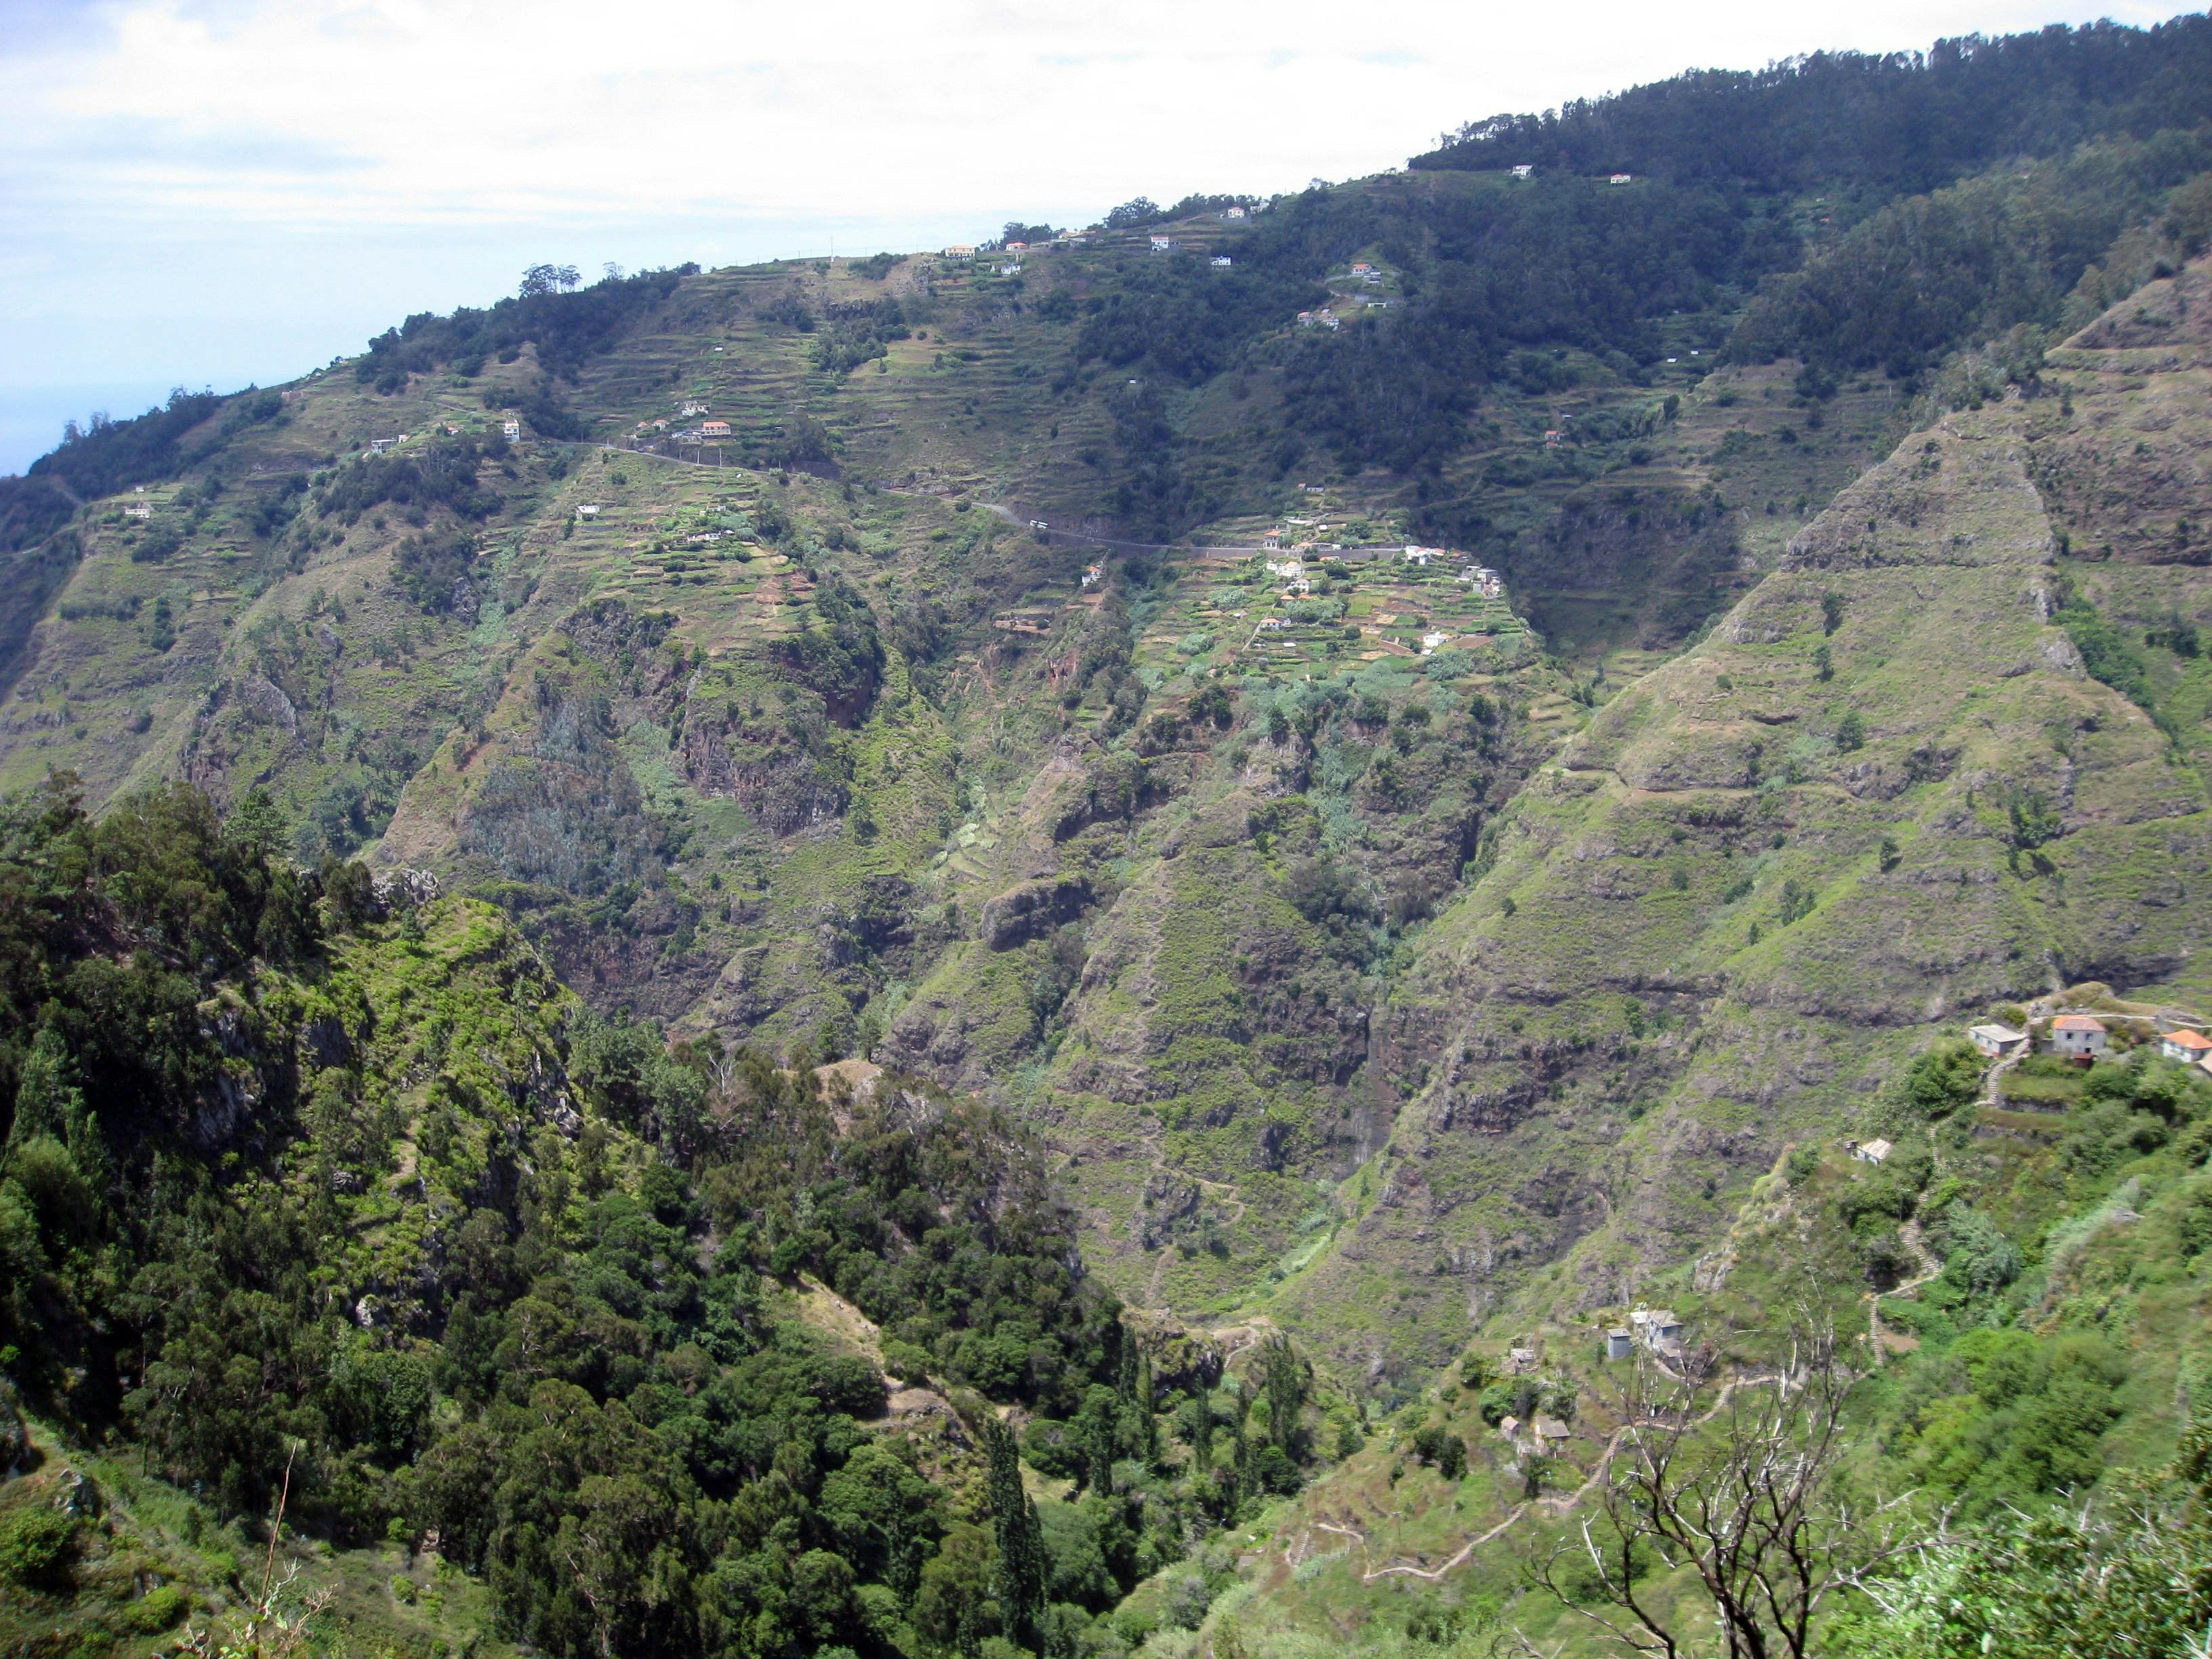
860 955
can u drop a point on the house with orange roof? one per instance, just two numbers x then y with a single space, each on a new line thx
2187 1047
2077 1036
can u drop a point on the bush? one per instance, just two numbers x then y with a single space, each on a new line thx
35 1546
1942 1080
156 1611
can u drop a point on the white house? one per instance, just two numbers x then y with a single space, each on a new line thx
1657 1327
1620 177
1093 574
1271 622
1522 171
140 510
378 446
1874 1152
1998 1041
1011 268
714 428
693 410
1431 642
2077 1036
1361 267
1164 244
1288 570
1298 585
1018 247
1235 214
510 430
2187 1047
961 251
1221 261
588 510
1420 555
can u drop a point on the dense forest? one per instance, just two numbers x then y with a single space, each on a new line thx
322 1185
1897 124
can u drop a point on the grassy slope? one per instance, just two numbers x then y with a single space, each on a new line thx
1558 1168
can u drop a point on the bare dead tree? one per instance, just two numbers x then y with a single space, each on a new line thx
1738 1480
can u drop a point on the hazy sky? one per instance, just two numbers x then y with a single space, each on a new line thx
225 190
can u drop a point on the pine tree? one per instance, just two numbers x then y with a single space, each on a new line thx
1148 1430
1021 1564
1283 1385
1099 1412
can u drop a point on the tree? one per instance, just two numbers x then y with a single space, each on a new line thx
1739 1482
548 279
1139 210
1022 1567
1283 1386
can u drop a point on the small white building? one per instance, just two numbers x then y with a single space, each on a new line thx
511 430
1995 1040
961 251
1273 540
1621 178
1432 642
1271 622
1221 261
1093 574
1234 214
713 429
1619 1344
1018 247
1011 268
2077 1036
1873 1152
1165 244
1287 569
1522 171
588 510
693 410
1656 1327
1420 555
140 510
2187 1047
378 446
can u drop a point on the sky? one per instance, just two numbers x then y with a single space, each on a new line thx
214 192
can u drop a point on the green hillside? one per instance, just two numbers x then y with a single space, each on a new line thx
939 954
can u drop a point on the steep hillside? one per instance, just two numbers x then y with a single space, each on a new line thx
1884 793
1162 843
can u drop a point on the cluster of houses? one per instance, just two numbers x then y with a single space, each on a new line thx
1655 1328
2085 1038
1060 239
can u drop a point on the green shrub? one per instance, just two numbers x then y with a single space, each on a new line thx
156 1611
35 1546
